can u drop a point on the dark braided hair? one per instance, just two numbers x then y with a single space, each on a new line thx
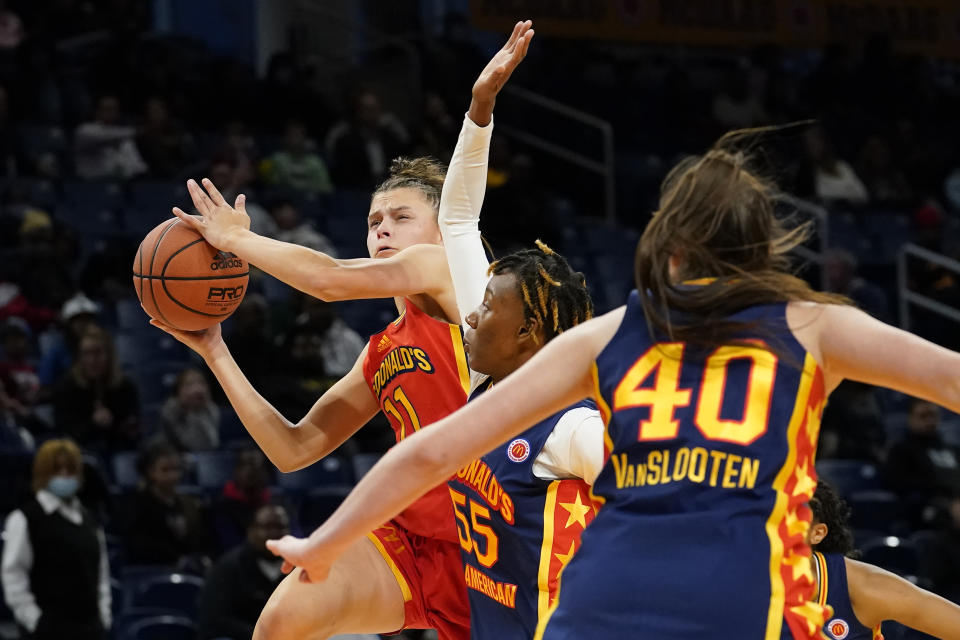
552 292
832 510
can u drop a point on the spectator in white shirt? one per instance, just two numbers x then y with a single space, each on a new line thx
55 573
104 147
833 178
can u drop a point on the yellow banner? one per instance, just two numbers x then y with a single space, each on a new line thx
931 27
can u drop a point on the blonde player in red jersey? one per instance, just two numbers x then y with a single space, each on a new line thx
407 573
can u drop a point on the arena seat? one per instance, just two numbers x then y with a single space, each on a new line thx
174 591
362 462
319 504
895 554
331 471
849 476
124 467
214 468
880 510
160 628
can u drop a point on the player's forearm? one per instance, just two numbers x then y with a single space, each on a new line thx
282 441
481 110
297 266
395 482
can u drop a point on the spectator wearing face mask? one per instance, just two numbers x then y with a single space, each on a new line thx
55 574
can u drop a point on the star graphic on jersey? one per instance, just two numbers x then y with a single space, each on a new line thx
800 565
812 427
796 525
565 557
577 511
805 484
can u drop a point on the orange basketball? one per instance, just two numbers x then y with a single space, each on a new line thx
185 282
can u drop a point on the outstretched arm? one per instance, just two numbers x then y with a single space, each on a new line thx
336 416
556 377
418 269
879 595
466 180
854 345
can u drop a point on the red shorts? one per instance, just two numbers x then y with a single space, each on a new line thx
430 575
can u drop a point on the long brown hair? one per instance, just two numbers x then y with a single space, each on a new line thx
716 217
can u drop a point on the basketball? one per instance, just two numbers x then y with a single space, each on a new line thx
184 281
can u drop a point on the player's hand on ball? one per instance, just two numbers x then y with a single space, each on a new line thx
218 221
498 70
204 342
302 553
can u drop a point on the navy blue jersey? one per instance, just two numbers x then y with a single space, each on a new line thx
517 532
710 466
832 590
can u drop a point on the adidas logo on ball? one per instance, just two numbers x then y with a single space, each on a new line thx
225 260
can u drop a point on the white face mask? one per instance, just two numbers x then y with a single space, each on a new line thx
64 487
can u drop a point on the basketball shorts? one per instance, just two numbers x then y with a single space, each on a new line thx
430 575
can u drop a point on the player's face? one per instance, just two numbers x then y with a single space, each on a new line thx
498 331
398 219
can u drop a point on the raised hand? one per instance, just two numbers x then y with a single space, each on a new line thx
498 71
218 219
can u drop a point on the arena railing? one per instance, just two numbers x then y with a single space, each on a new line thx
909 297
603 167
821 220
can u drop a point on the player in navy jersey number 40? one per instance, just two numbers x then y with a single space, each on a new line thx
712 384
861 595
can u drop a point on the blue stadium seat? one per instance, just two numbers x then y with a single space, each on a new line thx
91 195
155 380
893 554
174 591
124 466
880 510
331 471
15 478
152 195
214 468
367 317
40 139
318 505
151 345
160 628
363 462
232 430
849 476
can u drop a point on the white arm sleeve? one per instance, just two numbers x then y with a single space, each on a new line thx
459 219
574 449
15 572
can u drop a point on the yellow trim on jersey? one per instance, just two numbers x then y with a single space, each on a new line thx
824 580
401 581
400 318
777 588
606 415
457 337
546 550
